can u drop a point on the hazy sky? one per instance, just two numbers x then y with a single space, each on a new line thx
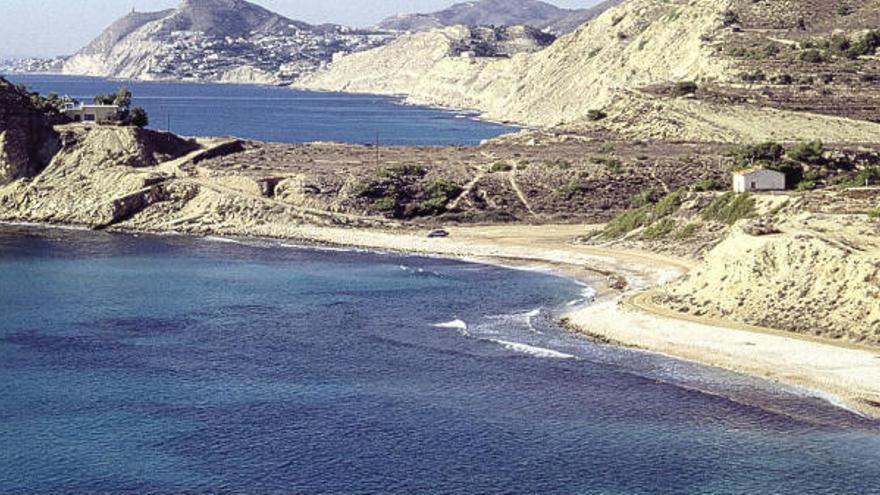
60 27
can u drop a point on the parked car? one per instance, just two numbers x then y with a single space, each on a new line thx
438 233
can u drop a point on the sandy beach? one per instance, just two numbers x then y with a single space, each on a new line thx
624 314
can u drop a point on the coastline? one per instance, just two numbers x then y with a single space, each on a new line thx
622 313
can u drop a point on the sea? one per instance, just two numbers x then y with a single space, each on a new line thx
171 364
148 364
280 114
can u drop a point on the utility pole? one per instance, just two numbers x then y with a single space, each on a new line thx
168 121
377 149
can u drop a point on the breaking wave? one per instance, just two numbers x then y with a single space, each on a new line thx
532 350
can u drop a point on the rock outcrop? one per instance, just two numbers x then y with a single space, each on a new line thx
815 275
27 141
98 177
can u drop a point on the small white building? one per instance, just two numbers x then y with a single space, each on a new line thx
92 114
758 179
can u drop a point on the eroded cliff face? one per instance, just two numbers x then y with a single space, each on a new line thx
623 63
27 141
815 274
637 43
98 177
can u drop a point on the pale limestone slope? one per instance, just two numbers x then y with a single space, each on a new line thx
635 44
602 65
819 276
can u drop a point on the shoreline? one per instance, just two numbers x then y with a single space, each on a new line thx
846 375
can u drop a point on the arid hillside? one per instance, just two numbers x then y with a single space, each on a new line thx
645 69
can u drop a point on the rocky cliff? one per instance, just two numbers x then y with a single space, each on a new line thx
97 177
215 40
27 140
814 274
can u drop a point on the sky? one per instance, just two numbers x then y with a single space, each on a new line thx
42 28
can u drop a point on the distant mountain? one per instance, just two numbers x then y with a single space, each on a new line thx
216 40
481 12
577 18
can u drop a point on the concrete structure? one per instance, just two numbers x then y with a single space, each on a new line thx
758 179
92 114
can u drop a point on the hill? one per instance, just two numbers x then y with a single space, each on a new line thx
482 12
626 64
215 40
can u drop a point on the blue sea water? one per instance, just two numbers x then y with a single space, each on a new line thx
142 364
280 114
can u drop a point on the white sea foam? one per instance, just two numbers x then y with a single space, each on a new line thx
458 325
532 350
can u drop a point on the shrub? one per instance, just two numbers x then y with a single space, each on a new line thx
764 152
812 56
729 18
596 115
875 213
558 163
440 192
643 198
729 208
659 230
400 171
806 185
626 222
868 176
707 185
138 117
687 231
501 167
812 152
644 216
683 88
388 203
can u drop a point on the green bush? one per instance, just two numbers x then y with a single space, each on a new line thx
440 192
687 231
659 230
812 152
400 171
643 198
729 208
868 176
138 117
645 216
626 222
559 163
875 213
812 56
764 152
806 185
501 167
706 185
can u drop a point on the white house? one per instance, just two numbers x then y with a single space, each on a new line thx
92 114
758 179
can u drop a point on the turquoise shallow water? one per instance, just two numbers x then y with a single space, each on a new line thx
179 365
280 114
